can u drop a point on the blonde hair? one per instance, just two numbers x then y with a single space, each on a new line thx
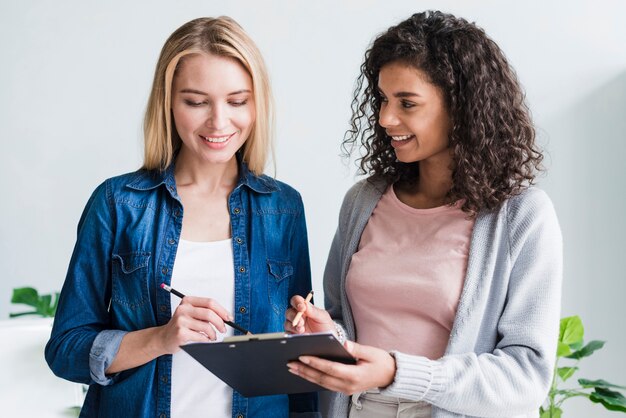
220 36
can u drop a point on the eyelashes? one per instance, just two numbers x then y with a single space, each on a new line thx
234 103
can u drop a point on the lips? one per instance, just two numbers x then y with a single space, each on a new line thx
217 139
401 138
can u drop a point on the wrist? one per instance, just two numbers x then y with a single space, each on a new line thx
391 368
156 342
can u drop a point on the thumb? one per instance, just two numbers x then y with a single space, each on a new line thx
356 350
315 313
362 352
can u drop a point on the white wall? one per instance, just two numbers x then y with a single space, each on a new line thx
75 77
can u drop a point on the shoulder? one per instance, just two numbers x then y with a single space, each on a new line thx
141 179
363 192
275 196
532 214
283 189
530 203
121 187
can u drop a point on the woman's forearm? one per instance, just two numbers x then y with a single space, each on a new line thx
138 348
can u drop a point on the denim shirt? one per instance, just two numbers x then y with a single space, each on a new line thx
126 247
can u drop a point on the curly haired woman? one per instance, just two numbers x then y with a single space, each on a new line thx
446 268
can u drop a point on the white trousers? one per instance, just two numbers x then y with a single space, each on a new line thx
371 404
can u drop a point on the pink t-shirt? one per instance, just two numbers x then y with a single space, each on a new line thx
406 278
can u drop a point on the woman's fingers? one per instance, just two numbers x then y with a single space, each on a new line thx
290 314
207 314
328 374
297 302
375 368
209 303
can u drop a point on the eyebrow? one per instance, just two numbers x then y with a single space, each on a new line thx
401 94
194 91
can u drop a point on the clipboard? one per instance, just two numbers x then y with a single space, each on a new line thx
256 365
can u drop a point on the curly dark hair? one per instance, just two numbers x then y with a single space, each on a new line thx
492 136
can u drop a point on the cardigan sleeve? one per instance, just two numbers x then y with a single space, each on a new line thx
335 263
515 377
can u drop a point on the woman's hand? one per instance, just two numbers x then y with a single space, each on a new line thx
375 368
313 319
194 320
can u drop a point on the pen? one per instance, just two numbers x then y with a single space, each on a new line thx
180 295
299 314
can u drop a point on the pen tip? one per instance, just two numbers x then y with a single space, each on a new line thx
162 285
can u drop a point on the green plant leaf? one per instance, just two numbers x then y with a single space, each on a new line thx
566 372
600 383
15 315
571 330
26 295
613 401
551 412
577 345
587 350
45 305
44 302
562 350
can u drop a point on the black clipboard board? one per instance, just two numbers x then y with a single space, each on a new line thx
256 365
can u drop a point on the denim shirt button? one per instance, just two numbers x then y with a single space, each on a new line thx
163 415
171 241
239 415
164 270
242 309
164 379
163 308
242 269
176 212
236 211
239 240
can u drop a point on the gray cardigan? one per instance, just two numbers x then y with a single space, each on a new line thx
500 357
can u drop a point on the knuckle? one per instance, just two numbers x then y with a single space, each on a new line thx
332 369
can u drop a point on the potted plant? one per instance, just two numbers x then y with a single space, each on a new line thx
44 305
571 348
25 358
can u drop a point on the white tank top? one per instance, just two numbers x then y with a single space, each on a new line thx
202 269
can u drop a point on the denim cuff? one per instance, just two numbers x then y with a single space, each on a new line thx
103 351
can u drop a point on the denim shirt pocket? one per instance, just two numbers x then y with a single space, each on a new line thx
130 279
280 273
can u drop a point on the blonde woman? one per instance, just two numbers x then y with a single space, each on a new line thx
199 216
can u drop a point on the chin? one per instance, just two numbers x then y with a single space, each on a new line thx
406 159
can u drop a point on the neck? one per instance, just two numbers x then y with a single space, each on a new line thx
208 177
433 184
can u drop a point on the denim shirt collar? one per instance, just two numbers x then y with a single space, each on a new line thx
151 179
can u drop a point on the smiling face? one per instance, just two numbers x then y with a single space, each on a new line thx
213 107
414 115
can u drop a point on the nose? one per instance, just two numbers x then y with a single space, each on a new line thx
386 116
217 118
